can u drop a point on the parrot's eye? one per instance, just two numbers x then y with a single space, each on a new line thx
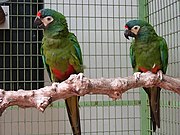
49 19
136 27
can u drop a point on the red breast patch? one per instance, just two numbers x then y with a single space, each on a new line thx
142 69
63 75
154 70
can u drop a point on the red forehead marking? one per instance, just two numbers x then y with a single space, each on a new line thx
39 13
126 27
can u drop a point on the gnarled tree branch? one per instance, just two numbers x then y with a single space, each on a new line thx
113 87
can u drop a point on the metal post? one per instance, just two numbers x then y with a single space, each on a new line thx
145 121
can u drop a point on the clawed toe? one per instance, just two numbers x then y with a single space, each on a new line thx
160 74
137 75
80 76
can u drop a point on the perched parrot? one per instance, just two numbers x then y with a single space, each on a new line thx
61 56
148 52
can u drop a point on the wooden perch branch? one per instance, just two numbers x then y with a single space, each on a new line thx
113 87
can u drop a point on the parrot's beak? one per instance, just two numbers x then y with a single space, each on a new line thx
128 33
38 22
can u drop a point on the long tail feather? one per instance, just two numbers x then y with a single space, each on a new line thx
154 102
72 107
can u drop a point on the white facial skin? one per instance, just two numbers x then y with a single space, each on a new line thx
135 29
47 20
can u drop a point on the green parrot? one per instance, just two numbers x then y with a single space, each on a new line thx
148 52
61 56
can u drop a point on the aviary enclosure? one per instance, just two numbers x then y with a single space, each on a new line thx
99 27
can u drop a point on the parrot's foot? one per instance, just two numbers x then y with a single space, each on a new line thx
77 76
160 74
137 75
80 76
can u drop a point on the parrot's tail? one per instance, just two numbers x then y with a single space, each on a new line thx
154 102
72 106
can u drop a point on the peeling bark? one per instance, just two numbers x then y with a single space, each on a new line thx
113 87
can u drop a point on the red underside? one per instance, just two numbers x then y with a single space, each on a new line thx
63 75
153 70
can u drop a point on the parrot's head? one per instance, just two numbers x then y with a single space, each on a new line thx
50 19
134 28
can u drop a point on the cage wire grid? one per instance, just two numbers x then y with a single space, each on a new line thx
99 27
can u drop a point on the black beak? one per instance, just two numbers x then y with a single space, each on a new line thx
38 22
128 33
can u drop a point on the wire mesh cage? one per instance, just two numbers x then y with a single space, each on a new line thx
99 27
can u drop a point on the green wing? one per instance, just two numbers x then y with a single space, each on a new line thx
45 64
78 54
132 56
164 54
